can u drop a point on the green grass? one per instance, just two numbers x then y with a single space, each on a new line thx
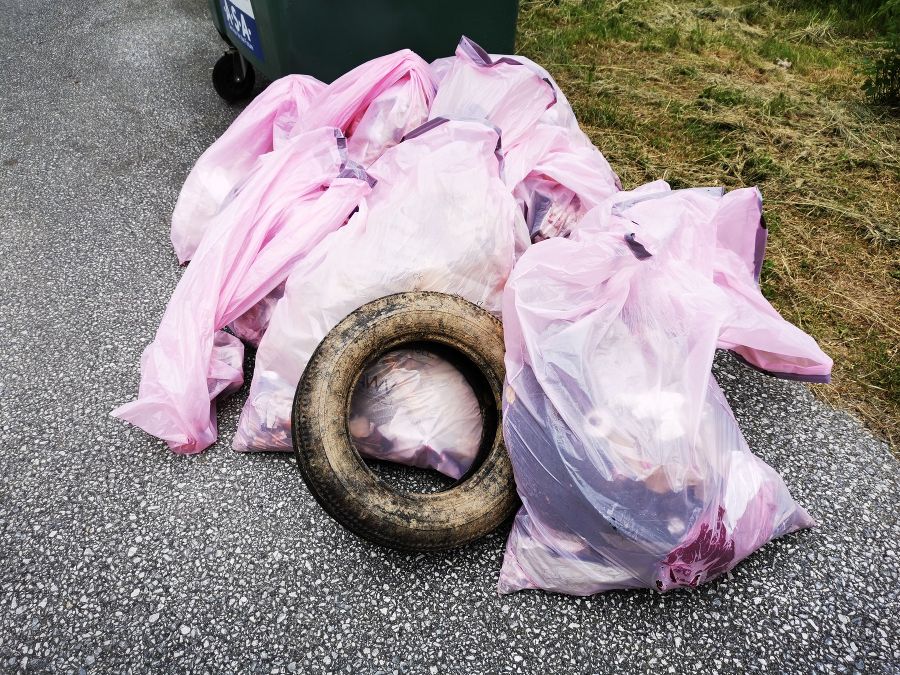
768 94
722 95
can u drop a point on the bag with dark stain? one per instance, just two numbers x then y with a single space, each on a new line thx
630 465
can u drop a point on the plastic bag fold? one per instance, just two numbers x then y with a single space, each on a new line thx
262 126
289 202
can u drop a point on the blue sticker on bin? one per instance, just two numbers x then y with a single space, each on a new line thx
241 24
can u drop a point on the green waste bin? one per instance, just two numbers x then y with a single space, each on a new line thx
326 38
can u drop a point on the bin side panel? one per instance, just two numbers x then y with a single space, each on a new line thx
327 38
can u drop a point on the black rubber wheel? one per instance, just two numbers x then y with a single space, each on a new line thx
231 81
334 471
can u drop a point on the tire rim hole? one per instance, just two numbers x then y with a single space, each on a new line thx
426 403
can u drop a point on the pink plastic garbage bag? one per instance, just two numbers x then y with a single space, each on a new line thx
505 92
375 104
550 165
558 114
290 202
631 468
398 110
556 173
261 127
557 178
414 407
723 235
439 219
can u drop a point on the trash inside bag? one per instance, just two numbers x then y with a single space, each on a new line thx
250 326
414 407
631 467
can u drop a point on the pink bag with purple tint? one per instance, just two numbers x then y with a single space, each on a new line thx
631 468
548 163
505 92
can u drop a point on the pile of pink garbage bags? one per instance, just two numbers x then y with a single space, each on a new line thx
471 176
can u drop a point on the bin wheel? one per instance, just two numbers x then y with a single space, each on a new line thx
334 471
233 77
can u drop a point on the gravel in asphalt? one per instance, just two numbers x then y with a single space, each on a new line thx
117 556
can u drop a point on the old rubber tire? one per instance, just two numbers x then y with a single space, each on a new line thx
334 471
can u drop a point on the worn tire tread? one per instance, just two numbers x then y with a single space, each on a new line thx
364 504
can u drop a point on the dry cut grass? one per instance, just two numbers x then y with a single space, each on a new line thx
709 93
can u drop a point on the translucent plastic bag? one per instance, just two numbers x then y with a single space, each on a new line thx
416 408
549 164
631 468
439 219
505 92
722 236
288 204
388 118
559 113
263 125
557 178
375 104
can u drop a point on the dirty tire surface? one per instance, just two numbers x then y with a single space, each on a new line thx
334 471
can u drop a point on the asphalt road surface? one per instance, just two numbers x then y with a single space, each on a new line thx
117 556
